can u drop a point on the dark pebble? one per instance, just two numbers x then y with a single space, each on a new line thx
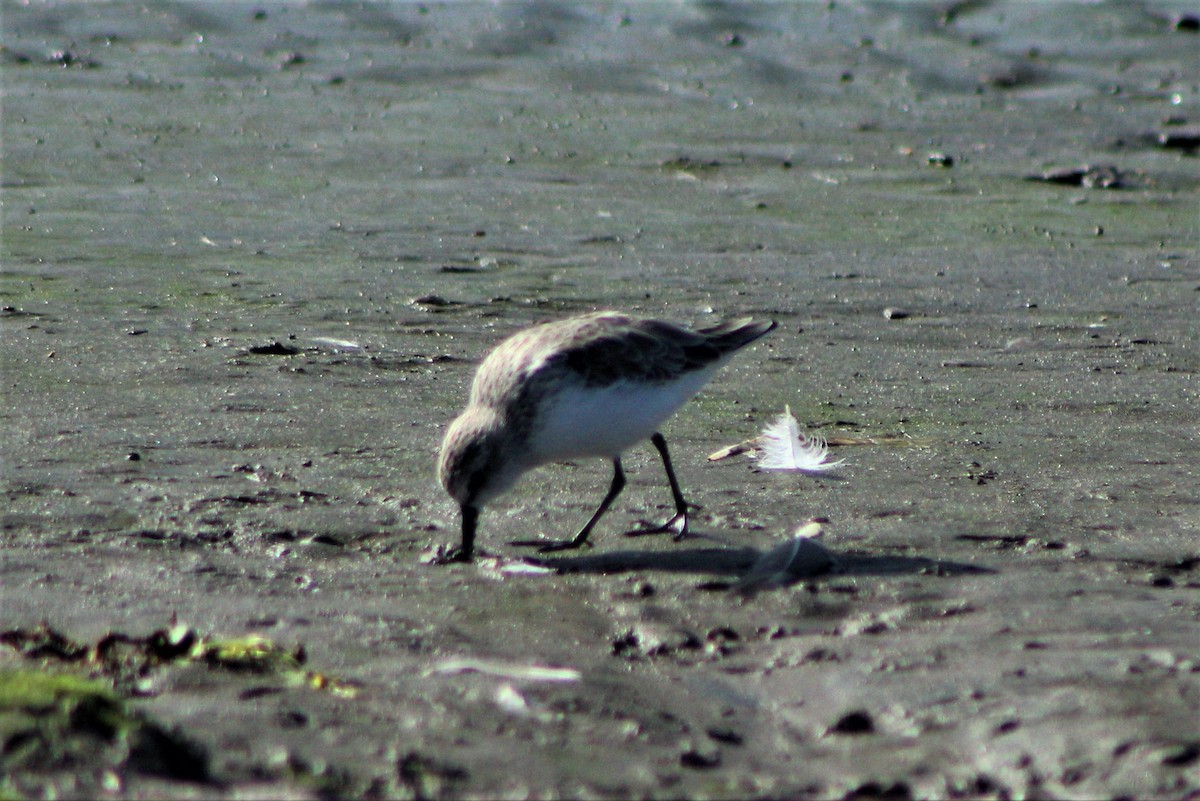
898 790
699 761
65 58
1008 726
1187 140
293 719
723 735
1101 177
432 300
274 349
858 722
1182 755
1189 23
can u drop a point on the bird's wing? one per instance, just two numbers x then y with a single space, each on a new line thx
645 350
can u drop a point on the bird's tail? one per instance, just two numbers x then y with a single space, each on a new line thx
733 334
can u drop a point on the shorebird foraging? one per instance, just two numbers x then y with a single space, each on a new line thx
586 386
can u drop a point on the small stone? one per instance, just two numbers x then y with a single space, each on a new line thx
1186 22
1182 755
895 313
435 301
1186 139
857 722
1089 177
725 735
274 349
698 760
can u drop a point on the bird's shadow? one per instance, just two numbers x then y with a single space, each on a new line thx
733 563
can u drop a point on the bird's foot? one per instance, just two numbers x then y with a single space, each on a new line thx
677 526
549 546
451 556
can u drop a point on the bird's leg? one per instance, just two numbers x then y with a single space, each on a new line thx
465 551
677 525
580 539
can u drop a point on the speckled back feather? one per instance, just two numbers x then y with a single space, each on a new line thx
604 348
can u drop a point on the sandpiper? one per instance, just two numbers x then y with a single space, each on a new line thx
586 386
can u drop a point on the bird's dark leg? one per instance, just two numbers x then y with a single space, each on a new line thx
580 539
660 444
677 525
466 549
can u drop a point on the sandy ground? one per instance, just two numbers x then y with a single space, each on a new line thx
253 252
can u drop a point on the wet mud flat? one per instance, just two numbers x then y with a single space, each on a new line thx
252 254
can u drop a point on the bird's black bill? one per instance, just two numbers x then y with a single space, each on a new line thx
465 551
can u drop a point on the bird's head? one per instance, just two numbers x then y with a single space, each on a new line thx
476 462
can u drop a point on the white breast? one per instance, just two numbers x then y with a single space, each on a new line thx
604 421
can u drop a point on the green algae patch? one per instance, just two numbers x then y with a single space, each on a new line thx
69 716
258 654
128 660
53 721
253 653
40 712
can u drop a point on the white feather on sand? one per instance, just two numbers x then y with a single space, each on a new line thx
783 446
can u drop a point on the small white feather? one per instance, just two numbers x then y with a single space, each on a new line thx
785 447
